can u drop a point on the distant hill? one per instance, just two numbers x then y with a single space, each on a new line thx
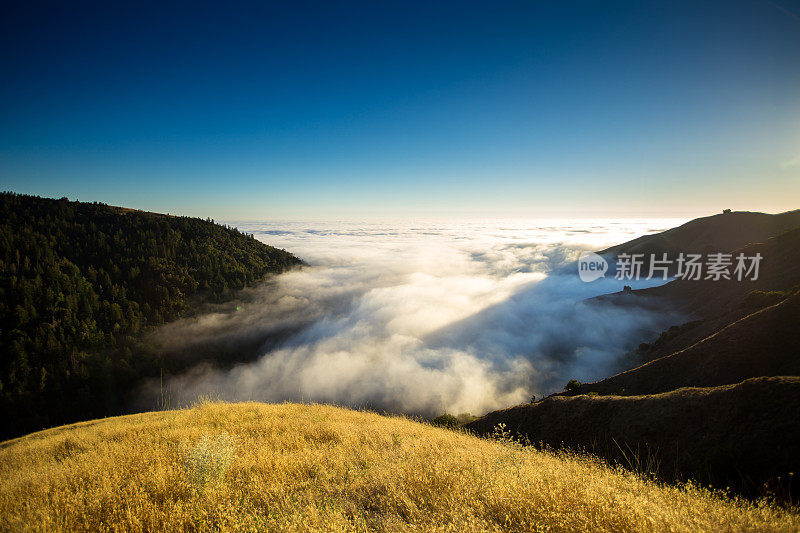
718 233
712 305
80 283
742 435
290 468
779 270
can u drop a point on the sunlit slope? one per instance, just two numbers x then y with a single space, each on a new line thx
299 467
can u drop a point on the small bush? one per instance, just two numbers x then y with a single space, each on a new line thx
446 420
207 461
573 385
673 332
465 418
449 421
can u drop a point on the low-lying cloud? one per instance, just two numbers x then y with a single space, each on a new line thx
417 318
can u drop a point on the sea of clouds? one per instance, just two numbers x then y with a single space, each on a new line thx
419 317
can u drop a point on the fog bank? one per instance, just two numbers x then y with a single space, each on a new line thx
417 318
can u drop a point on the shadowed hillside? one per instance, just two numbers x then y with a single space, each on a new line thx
779 270
764 343
713 305
258 467
742 435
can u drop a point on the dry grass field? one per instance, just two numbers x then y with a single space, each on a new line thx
258 467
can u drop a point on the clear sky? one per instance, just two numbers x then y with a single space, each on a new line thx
339 109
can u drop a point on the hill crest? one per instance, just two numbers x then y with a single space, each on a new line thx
288 467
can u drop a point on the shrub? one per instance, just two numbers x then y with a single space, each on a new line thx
208 460
446 420
465 418
573 385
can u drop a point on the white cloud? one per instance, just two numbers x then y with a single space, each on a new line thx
420 318
791 163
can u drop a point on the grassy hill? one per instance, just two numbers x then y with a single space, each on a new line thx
743 436
258 467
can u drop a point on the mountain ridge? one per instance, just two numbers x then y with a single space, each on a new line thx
715 233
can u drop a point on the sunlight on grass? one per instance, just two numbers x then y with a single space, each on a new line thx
256 467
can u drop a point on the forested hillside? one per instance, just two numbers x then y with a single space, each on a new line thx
80 283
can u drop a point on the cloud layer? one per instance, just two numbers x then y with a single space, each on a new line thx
418 318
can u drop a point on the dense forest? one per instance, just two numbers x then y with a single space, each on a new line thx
80 283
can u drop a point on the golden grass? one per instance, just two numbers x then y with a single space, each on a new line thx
321 468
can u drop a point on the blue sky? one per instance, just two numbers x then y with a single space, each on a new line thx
299 110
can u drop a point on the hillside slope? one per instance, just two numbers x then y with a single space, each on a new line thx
741 435
764 343
258 467
779 270
713 305
80 283
716 233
